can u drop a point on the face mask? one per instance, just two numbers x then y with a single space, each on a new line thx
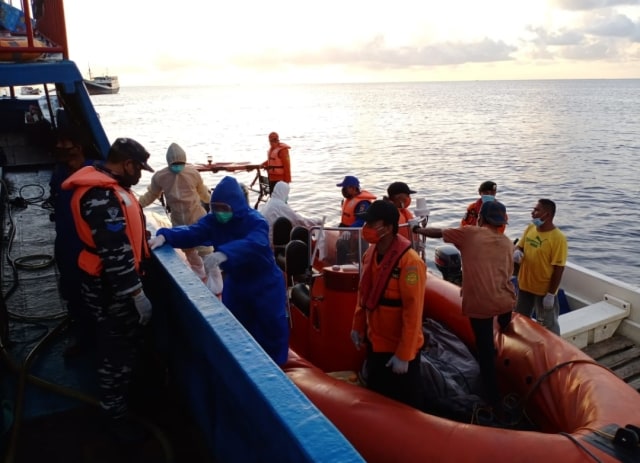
371 235
407 203
487 198
345 192
176 168
223 217
537 222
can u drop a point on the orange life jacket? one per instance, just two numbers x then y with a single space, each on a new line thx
349 206
371 291
85 179
276 169
405 216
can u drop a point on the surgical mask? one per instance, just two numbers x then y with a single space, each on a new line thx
345 192
407 203
176 168
487 198
537 222
223 217
371 235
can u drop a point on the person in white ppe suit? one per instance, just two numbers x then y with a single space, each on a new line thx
184 193
277 207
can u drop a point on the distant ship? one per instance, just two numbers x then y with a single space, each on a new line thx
102 85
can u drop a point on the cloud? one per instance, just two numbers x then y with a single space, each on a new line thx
376 55
613 25
584 5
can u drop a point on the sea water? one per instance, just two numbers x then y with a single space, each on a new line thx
576 142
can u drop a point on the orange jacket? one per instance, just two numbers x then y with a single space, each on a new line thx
473 211
405 216
278 164
395 324
87 178
349 206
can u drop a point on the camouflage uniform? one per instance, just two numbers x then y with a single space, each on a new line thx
109 297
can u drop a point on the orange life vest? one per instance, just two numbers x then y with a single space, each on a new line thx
349 206
405 216
276 169
85 179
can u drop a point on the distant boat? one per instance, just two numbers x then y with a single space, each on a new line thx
102 85
30 91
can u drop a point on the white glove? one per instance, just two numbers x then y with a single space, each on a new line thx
398 366
143 306
214 260
214 281
548 300
346 235
518 255
157 241
356 338
415 222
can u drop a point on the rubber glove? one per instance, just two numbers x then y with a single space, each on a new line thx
346 235
548 300
356 338
143 306
214 260
214 281
398 366
518 255
413 223
157 241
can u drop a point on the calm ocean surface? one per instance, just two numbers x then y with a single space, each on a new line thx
574 141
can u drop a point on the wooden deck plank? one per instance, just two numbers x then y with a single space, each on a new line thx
603 348
628 371
620 358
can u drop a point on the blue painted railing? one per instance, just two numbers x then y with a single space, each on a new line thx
247 408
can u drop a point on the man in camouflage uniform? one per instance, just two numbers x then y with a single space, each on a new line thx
111 225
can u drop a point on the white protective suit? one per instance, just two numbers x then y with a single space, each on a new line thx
277 207
184 194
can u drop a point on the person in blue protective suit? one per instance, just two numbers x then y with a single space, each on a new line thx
254 289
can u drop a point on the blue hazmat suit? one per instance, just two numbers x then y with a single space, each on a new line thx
254 289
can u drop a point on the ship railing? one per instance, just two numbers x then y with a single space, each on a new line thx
44 30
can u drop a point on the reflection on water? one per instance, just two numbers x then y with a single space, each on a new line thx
575 142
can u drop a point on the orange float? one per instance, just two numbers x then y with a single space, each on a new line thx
581 409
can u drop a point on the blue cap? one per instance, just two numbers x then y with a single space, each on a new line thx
494 212
349 180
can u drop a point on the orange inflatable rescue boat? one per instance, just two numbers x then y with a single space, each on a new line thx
582 412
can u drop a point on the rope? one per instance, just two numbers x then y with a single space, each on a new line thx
33 261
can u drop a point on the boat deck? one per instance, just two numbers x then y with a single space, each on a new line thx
58 423
619 354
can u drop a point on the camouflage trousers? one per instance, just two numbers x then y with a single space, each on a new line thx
118 339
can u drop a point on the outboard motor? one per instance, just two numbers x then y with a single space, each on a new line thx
447 259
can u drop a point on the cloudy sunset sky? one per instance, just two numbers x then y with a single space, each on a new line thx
203 42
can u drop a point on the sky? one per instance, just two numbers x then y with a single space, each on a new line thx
204 42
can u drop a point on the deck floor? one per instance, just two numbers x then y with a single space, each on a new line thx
620 355
53 427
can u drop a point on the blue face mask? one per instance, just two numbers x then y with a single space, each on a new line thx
487 198
537 222
176 168
223 217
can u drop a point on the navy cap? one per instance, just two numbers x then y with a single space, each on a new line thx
380 210
128 148
494 213
349 180
399 187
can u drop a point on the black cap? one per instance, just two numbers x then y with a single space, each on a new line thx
487 186
128 148
380 210
494 212
399 187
